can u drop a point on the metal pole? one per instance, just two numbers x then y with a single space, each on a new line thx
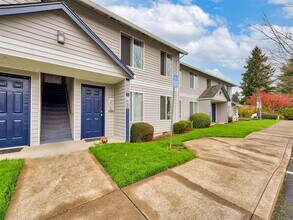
172 113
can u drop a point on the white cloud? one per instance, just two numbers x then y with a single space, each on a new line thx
280 2
216 72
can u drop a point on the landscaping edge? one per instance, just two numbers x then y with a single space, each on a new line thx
268 200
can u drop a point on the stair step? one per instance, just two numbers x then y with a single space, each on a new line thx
54 122
47 133
55 117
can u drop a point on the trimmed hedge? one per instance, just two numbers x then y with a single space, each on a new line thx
271 116
200 120
141 132
287 112
182 126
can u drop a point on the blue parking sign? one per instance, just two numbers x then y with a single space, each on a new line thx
175 81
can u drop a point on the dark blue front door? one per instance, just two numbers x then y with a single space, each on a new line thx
92 114
14 111
213 112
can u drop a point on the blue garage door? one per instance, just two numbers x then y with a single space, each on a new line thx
14 111
92 113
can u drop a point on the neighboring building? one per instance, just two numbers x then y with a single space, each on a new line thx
200 91
72 70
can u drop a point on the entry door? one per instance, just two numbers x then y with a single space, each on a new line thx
214 112
92 112
14 111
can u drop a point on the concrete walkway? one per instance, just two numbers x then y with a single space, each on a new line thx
230 179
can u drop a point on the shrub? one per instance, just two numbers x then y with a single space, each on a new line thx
182 126
230 119
246 111
271 116
287 112
200 120
141 132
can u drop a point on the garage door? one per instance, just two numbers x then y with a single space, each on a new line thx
14 111
92 114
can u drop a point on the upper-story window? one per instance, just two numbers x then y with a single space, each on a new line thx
132 51
166 64
193 81
209 83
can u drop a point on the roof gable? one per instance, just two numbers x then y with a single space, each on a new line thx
212 91
41 7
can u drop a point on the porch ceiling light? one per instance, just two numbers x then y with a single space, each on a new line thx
60 37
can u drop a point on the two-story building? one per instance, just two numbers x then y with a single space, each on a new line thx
200 91
72 70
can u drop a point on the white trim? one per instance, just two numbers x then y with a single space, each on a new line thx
143 105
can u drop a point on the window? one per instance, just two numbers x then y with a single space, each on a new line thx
180 109
165 107
134 58
138 54
166 64
136 106
209 83
193 81
192 107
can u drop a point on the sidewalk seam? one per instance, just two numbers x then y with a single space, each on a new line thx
133 203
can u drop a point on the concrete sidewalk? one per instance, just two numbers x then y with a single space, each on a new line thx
230 179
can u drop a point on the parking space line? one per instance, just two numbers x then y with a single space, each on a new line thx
289 172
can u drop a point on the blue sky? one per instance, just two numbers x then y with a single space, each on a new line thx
216 33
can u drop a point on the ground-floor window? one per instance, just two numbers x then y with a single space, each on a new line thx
165 107
136 106
192 107
180 109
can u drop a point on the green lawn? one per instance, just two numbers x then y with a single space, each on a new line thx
130 162
9 172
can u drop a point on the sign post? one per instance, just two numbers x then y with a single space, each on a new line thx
175 85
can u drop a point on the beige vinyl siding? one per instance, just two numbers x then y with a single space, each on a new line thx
148 80
109 116
120 110
33 36
35 102
8 2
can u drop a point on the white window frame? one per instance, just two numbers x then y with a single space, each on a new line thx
166 107
132 49
180 108
131 106
195 82
193 107
166 54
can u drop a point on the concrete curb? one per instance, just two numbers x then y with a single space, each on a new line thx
266 205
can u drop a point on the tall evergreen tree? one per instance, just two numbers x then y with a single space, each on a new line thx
258 74
285 80
236 97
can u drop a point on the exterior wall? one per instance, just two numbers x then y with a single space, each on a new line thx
35 102
33 36
205 107
7 2
70 82
222 112
149 80
119 112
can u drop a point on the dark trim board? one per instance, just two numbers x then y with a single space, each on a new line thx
41 7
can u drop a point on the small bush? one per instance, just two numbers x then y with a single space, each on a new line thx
182 126
287 112
230 119
141 132
246 111
271 116
200 120
244 119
